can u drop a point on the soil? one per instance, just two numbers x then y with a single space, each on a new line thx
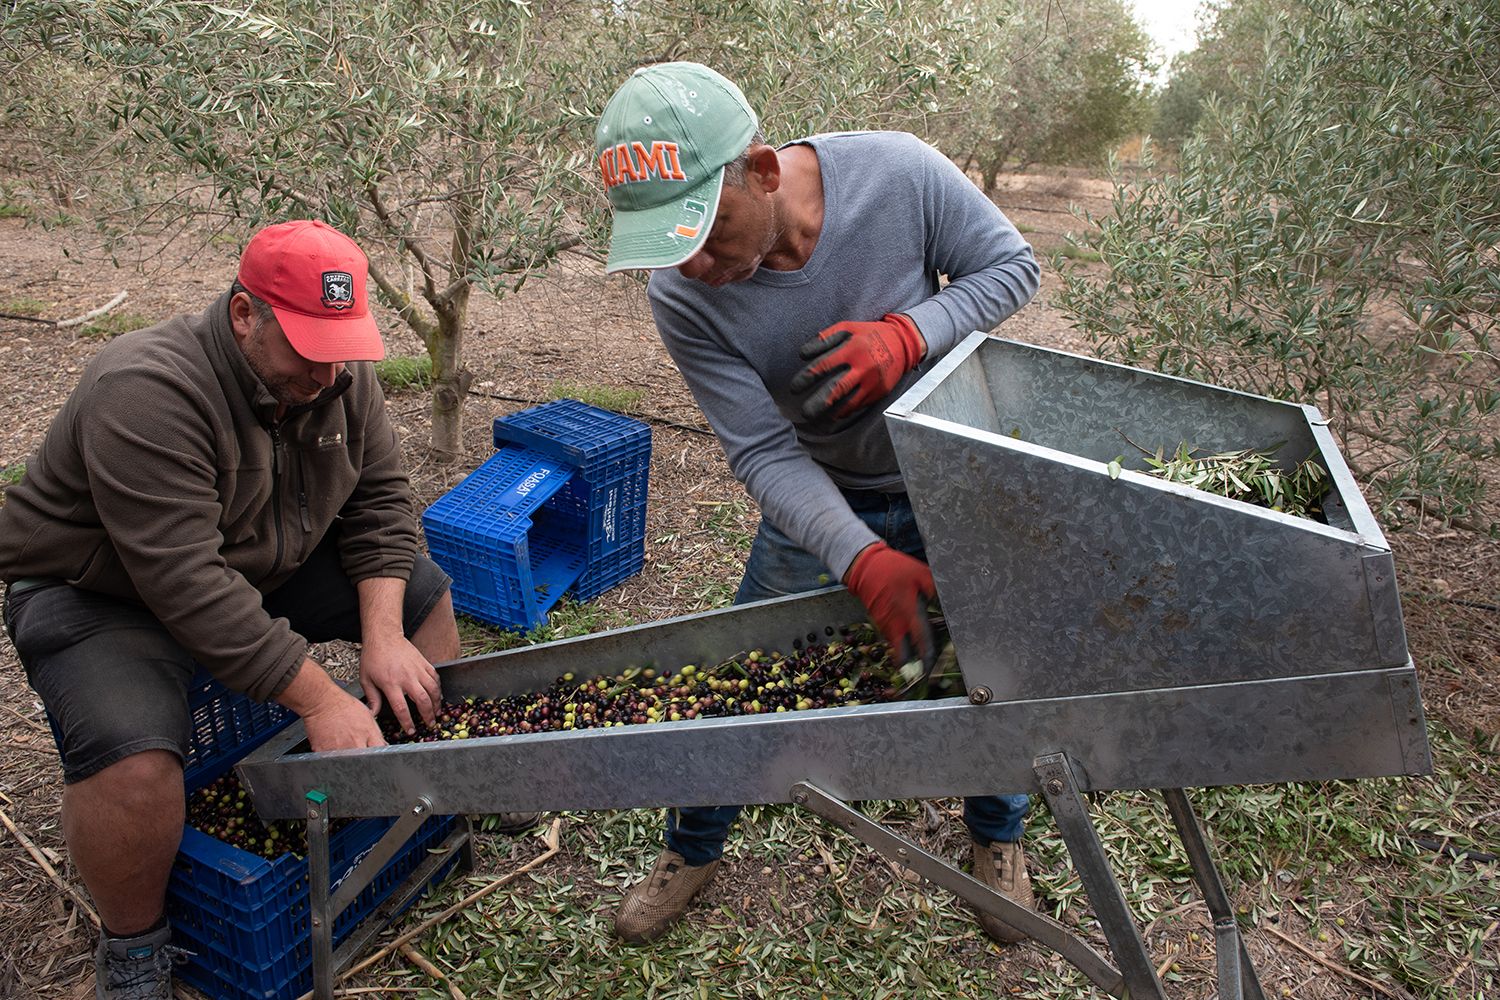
579 327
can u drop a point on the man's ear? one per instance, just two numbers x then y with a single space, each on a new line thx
764 167
241 316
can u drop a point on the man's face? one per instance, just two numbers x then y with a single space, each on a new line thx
291 379
745 229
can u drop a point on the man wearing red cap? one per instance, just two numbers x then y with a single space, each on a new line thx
221 489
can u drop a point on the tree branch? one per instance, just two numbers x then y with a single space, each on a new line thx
410 245
63 324
402 303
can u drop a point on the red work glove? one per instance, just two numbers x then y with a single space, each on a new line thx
895 588
856 364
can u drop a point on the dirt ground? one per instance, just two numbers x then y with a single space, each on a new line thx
577 327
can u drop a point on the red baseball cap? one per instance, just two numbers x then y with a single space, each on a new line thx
313 277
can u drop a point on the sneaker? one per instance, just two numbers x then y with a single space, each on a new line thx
136 968
1002 866
656 902
511 823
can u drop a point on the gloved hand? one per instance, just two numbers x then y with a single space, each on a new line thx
895 588
857 364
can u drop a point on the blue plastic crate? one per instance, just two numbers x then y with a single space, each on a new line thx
560 508
575 433
246 918
604 501
510 559
226 725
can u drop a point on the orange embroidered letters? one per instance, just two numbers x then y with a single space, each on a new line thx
636 161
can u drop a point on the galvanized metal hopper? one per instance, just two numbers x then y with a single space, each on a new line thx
1114 633
1059 579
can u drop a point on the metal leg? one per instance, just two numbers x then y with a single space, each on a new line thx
1068 808
384 849
904 852
360 937
466 848
327 902
1237 977
319 900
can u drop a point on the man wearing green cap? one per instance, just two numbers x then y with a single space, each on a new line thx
799 289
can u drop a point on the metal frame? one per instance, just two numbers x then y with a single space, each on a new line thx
1062 574
1363 724
1236 972
1114 632
327 901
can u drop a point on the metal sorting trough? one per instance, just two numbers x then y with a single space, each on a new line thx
1113 633
1058 580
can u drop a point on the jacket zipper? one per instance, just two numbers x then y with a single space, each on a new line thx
302 494
276 495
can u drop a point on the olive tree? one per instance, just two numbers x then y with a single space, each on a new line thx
1333 239
451 137
1226 63
433 129
1054 82
825 65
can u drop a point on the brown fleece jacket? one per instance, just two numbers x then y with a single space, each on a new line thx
165 480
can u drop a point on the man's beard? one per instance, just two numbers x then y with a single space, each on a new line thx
285 389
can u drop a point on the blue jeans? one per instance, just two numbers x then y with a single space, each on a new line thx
778 567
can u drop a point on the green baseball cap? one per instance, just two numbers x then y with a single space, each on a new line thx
662 143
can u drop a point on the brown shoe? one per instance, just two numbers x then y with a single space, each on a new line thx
1002 867
653 904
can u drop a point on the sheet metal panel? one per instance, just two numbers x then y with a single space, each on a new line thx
1058 579
1336 726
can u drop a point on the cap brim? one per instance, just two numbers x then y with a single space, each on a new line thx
331 341
664 235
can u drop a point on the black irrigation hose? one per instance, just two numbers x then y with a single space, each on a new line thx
1457 853
1481 605
649 418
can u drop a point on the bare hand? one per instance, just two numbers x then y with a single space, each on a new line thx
333 718
395 671
340 722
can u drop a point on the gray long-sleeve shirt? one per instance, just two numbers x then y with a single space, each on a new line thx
897 215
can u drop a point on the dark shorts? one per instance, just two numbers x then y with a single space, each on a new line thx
116 683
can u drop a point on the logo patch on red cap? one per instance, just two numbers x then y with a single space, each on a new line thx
338 290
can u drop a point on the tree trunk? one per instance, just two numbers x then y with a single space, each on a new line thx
450 378
991 173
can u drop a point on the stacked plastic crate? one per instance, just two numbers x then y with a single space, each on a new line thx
245 918
559 509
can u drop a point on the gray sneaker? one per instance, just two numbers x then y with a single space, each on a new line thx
136 968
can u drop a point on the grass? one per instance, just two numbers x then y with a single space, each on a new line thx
11 210
606 397
24 307
404 372
114 324
707 557
12 474
567 619
1072 251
